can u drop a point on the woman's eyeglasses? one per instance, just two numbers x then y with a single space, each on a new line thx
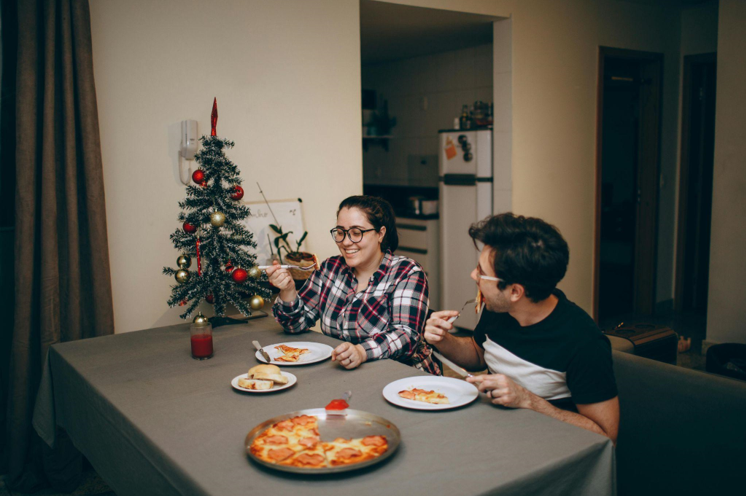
355 234
481 275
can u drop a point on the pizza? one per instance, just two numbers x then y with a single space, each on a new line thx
290 354
296 442
416 394
480 300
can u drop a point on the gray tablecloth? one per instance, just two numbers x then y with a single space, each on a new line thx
154 421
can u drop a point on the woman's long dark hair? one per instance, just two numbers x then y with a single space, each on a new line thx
380 213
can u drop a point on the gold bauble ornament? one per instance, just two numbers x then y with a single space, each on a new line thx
256 302
184 261
182 276
201 319
217 219
255 273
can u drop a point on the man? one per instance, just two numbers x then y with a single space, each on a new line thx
543 352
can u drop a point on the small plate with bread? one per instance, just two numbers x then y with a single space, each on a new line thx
263 379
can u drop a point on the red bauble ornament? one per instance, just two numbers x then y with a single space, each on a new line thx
240 275
191 229
203 184
198 176
237 193
228 266
210 299
182 303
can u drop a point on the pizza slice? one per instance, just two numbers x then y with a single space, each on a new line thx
290 354
416 394
348 451
480 301
314 457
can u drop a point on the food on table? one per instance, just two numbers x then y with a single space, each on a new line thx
337 405
263 377
416 394
296 442
290 354
255 384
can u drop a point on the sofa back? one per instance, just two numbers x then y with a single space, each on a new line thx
681 431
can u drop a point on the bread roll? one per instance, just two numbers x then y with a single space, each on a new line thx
268 372
255 384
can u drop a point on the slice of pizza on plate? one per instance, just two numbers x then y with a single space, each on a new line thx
416 394
290 354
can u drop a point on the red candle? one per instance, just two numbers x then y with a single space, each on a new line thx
202 345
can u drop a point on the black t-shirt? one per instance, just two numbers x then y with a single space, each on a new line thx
564 359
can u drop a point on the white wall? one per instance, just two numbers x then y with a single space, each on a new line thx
555 67
726 312
287 78
425 94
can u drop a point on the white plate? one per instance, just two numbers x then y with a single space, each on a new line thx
316 353
278 387
459 392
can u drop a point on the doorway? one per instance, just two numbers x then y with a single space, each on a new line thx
695 183
627 165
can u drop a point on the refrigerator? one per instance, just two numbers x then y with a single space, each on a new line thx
465 181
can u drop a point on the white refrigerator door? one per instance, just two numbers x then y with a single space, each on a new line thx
464 200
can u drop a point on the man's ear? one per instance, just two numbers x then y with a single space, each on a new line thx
517 292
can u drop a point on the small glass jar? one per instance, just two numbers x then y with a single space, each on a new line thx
201 336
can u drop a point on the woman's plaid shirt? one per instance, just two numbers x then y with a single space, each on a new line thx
387 318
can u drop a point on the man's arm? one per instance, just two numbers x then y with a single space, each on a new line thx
464 351
601 418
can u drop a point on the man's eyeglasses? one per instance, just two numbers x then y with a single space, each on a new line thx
355 234
482 275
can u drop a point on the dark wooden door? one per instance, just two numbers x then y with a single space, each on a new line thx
628 130
695 184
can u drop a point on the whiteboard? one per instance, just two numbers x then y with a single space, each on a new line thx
289 216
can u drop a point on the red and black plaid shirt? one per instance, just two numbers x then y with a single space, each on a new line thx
387 318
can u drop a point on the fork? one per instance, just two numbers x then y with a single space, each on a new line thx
265 267
467 302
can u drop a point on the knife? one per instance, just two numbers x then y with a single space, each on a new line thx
261 350
460 371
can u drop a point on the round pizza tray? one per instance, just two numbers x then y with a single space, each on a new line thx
355 424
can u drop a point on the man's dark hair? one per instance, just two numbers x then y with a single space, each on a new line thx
380 213
527 251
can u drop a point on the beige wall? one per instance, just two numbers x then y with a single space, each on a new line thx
287 79
555 65
726 312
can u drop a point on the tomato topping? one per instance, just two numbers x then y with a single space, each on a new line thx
276 440
337 405
280 454
348 453
374 441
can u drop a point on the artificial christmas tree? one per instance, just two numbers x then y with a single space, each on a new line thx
212 234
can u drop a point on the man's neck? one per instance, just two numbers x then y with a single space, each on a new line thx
529 313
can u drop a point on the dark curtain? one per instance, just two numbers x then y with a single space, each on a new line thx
62 280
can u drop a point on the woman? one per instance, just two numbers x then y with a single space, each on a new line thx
368 297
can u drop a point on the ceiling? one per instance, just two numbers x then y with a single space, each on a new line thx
391 32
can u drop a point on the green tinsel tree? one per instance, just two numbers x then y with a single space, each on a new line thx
214 265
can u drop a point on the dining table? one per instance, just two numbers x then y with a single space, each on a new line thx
152 420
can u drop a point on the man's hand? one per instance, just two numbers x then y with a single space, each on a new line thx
437 326
349 355
282 280
502 390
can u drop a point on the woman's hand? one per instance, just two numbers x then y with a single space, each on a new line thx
349 355
282 280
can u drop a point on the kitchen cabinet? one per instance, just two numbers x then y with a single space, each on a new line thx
419 240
